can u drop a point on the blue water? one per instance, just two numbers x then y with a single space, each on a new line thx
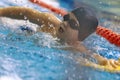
38 57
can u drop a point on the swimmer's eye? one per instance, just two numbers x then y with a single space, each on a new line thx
61 30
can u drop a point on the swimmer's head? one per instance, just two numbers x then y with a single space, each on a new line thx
83 20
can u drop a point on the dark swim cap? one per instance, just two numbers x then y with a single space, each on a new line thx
87 21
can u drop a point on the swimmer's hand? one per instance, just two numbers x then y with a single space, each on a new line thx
110 65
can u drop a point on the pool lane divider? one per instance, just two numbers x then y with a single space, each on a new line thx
108 34
52 8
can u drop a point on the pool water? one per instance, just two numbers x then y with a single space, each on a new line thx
38 57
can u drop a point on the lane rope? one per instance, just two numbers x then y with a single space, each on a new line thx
53 9
112 37
108 34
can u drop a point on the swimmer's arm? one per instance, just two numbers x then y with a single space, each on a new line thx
32 15
102 62
80 47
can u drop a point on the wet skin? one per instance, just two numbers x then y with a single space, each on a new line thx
50 24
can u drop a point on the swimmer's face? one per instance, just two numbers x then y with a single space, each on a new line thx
66 33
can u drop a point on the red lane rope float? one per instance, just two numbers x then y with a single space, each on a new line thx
53 9
111 36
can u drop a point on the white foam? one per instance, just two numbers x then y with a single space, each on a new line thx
13 77
15 24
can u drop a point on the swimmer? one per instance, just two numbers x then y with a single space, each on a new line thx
71 30
75 27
